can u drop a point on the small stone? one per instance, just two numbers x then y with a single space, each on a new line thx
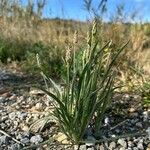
3 125
19 136
35 116
131 110
112 145
106 121
25 140
60 137
28 120
22 115
36 139
4 140
122 142
25 128
140 146
39 106
2 99
16 123
92 141
36 92
4 118
83 147
126 97
13 97
130 144
101 147
113 135
139 124
12 115
145 115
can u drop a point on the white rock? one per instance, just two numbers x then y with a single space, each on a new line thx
101 147
38 106
145 115
3 139
122 142
36 139
12 115
130 144
140 146
139 124
112 145
25 140
36 92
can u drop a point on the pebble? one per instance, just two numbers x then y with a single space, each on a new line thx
22 115
122 142
139 124
140 146
3 125
130 144
2 99
13 97
36 139
25 128
112 145
25 140
101 147
131 110
145 115
36 92
39 106
4 139
12 115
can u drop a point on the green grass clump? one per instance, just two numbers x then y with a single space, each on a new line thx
88 88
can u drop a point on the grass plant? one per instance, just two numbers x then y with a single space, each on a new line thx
88 88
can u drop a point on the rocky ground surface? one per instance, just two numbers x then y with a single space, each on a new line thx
21 105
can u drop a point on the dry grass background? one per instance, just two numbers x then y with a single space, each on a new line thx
24 28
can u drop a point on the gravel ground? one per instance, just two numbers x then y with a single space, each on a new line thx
21 107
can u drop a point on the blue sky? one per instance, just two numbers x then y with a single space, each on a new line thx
74 9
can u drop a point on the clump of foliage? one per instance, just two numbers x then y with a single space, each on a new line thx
51 56
12 50
88 88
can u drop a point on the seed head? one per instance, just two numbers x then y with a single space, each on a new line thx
68 54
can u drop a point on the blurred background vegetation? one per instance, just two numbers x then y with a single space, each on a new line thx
24 32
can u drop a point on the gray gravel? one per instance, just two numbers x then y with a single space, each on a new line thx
19 109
